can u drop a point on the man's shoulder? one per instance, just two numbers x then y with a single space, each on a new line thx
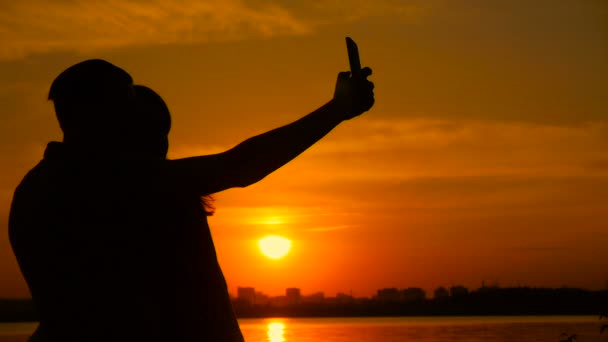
35 175
48 173
26 205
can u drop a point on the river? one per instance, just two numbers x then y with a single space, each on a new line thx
393 329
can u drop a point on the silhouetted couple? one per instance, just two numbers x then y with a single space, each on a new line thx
112 238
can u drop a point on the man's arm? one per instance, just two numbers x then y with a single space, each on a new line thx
257 157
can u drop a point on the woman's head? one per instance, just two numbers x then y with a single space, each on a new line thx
151 136
154 122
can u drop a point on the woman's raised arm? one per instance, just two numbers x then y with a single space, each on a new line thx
257 157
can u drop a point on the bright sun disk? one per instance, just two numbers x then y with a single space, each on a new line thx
274 246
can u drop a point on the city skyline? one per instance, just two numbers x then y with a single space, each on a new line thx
438 291
413 301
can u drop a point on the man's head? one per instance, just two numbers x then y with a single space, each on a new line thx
93 101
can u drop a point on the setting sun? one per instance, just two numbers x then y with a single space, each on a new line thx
274 246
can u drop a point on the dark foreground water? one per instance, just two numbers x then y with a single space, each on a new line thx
392 329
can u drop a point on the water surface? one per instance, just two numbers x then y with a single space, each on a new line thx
393 329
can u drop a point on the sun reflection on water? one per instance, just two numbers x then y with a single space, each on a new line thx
276 332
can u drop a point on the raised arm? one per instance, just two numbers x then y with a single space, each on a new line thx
257 157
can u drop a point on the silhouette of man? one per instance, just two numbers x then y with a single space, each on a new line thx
112 238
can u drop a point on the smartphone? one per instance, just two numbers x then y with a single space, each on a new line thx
353 57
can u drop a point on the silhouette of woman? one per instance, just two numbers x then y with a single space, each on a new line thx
200 308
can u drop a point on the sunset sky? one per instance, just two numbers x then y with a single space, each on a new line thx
485 157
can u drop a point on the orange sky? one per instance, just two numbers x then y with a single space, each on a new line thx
485 157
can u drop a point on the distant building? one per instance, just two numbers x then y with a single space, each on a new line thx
389 295
279 301
293 295
246 294
458 291
413 294
261 298
344 298
315 298
441 292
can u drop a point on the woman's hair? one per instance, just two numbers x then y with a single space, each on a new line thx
153 130
154 111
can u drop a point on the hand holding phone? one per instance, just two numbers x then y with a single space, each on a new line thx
354 92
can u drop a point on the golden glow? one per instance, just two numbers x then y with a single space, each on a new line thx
276 332
274 246
272 221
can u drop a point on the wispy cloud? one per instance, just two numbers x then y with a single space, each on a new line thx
540 249
354 10
410 148
599 164
38 26
328 229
